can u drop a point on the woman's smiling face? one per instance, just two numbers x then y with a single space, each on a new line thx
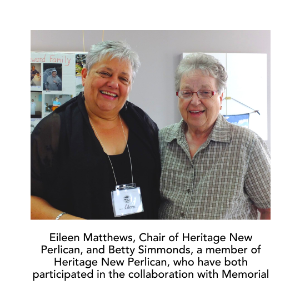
199 114
107 85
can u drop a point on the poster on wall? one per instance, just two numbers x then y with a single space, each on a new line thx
55 78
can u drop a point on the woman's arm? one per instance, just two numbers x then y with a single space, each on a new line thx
42 210
265 213
258 178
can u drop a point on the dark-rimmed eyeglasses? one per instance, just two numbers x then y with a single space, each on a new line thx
202 94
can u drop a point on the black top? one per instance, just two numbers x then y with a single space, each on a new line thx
71 171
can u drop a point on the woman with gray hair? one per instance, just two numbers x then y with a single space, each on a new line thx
211 169
97 156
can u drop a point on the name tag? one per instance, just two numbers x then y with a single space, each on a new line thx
127 200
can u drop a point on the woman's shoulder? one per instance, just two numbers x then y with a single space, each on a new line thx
139 115
170 131
71 104
243 133
45 137
171 128
49 125
245 136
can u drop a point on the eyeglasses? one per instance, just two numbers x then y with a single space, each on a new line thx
202 94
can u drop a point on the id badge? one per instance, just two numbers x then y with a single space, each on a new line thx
127 200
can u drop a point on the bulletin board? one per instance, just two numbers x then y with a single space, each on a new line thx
55 78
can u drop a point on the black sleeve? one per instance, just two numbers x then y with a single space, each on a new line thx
148 131
44 145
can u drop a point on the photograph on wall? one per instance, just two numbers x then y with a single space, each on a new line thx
80 64
53 101
52 77
36 105
35 76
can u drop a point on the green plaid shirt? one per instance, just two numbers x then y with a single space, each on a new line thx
228 174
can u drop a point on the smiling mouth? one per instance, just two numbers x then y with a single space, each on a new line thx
108 93
196 111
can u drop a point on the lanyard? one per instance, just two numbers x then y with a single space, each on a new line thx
108 155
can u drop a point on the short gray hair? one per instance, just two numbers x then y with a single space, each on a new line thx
208 64
115 49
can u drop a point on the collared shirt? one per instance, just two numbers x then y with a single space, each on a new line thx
227 175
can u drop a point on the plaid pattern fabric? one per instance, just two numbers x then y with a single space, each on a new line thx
228 174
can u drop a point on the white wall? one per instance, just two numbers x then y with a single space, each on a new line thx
160 52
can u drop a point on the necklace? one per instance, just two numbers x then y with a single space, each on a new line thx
108 155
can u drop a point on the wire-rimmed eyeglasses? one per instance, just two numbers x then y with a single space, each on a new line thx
202 94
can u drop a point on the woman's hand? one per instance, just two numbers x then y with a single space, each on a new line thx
265 213
42 210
